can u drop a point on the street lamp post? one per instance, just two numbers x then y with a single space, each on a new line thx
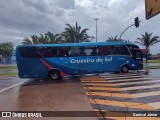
96 19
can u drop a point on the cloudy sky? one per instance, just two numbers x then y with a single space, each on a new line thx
23 18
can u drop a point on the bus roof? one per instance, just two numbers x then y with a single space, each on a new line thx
78 44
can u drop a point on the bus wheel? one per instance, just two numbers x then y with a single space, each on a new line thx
54 75
125 69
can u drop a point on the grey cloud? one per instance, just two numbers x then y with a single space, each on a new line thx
66 4
39 5
22 18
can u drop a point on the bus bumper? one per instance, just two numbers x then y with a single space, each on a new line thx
138 67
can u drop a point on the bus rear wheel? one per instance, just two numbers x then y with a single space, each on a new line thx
54 75
125 69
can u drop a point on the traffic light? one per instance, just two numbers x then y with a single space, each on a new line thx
136 23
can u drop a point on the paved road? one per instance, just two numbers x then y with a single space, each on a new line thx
43 95
136 91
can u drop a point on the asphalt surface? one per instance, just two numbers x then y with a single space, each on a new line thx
43 95
135 91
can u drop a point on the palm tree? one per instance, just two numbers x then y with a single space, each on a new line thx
54 38
47 38
147 41
74 34
113 39
43 39
27 41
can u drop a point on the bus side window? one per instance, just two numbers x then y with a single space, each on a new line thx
124 50
101 50
94 52
54 52
63 52
47 52
74 51
88 51
105 50
116 51
120 50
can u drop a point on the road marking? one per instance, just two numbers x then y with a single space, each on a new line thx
93 81
116 75
110 78
146 94
126 80
103 88
7 88
141 87
156 105
100 84
139 82
110 94
122 76
105 82
124 104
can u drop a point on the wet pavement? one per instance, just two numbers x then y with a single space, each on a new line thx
43 95
5 71
135 91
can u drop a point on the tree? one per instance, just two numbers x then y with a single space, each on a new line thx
54 38
6 49
47 38
147 41
74 34
34 40
113 39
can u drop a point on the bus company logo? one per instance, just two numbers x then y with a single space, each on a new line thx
88 60
6 114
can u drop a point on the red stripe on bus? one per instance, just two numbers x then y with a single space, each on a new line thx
46 64
50 67
63 74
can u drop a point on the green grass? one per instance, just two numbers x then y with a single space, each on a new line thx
9 74
153 61
8 67
151 67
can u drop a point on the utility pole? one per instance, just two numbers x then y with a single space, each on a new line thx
96 19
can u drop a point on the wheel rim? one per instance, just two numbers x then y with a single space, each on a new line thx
125 69
54 75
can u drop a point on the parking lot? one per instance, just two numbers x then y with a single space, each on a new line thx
134 91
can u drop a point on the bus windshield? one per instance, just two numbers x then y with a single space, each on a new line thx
136 54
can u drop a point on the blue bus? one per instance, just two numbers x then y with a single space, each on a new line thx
57 60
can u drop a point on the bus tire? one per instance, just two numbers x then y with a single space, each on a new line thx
54 75
125 69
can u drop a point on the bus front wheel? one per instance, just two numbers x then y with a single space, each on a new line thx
125 69
54 75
